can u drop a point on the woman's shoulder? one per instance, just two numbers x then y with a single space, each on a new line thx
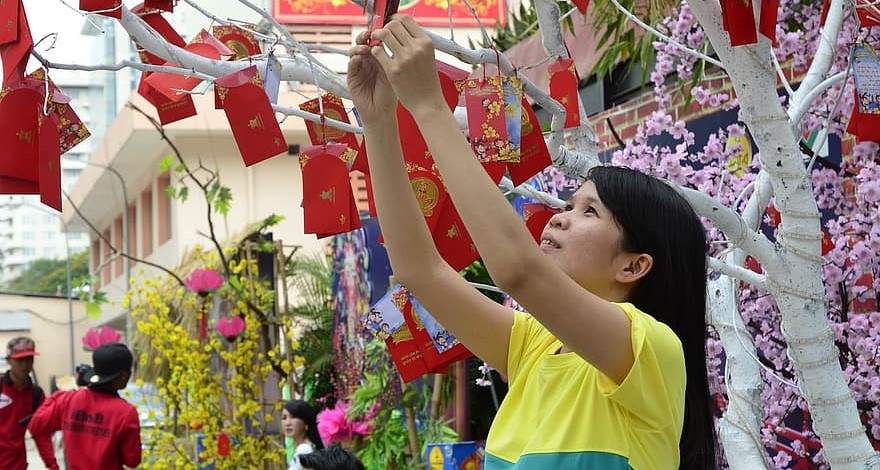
304 448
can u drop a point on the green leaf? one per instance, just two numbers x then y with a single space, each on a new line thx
183 193
224 200
171 192
180 168
165 163
93 310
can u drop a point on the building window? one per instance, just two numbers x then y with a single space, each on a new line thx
117 243
146 223
132 230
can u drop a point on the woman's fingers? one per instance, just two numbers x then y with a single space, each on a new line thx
387 38
412 28
379 53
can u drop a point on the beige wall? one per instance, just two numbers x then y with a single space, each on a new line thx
50 330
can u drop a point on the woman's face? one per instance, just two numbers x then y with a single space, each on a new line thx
585 241
293 427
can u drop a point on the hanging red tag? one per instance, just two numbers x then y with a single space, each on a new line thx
564 89
50 162
15 53
165 5
402 345
767 23
71 128
9 19
161 26
868 12
452 240
484 99
251 118
248 75
168 110
439 347
534 156
738 19
321 133
327 197
240 40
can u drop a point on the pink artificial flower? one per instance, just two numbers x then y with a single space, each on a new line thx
95 337
204 281
360 428
333 425
230 327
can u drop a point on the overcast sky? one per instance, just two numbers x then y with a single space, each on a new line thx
51 16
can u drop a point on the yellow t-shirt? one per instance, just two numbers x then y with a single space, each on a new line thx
561 412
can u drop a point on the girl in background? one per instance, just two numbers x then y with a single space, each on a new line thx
299 422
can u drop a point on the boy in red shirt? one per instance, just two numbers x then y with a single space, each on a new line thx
100 429
19 397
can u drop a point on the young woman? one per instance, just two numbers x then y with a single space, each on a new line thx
299 422
608 369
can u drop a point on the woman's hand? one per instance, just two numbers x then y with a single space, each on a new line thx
411 68
368 85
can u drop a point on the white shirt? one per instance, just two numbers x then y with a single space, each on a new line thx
304 448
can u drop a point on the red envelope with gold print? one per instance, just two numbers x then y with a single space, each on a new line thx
327 196
71 129
251 118
109 8
172 85
487 126
248 75
19 133
168 110
534 156
165 5
564 89
402 345
536 216
452 239
241 41
9 21
429 193
15 54
49 169
333 109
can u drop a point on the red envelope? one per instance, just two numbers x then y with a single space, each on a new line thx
49 169
168 110
406 354
109 8
449 76
333 109
9 18
248 75
241 41
534 156
536 216
327 197
484 99
430 194
564 89
767 22
15 54
738 19
204 37
158 23
165 5
868 15
169 84
452 239
71 129
380 16
865 126
251 118
582 5
20 111
434 361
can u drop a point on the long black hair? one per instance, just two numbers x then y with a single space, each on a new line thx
656 220
304 411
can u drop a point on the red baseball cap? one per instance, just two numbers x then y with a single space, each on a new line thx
20 347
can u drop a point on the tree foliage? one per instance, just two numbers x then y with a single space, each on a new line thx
49 275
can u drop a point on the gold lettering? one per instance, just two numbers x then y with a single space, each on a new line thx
452 232
256 122
329 195
426 193
26 136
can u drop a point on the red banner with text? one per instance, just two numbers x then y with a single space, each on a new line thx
426 12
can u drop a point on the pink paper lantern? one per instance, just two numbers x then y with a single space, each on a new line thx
204 281
97 336
230 327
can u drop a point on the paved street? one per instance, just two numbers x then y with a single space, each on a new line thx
34 460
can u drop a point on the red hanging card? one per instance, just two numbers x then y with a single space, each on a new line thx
436 362
536 216
111 8
9 21
767 22
248 75
241 41
49 169
564 89
333 109
402 345
327 196
71 129
534 156
379 16
173 86
251 118
739 21
15 54
168 110
452 240
429 193
161 25
165 5
582 5
20 111
204 37
484 99
865 118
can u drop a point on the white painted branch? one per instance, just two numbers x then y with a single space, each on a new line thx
530 191
736 271
823 58
740 426
797 110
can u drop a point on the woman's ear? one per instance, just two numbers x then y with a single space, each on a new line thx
637 267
